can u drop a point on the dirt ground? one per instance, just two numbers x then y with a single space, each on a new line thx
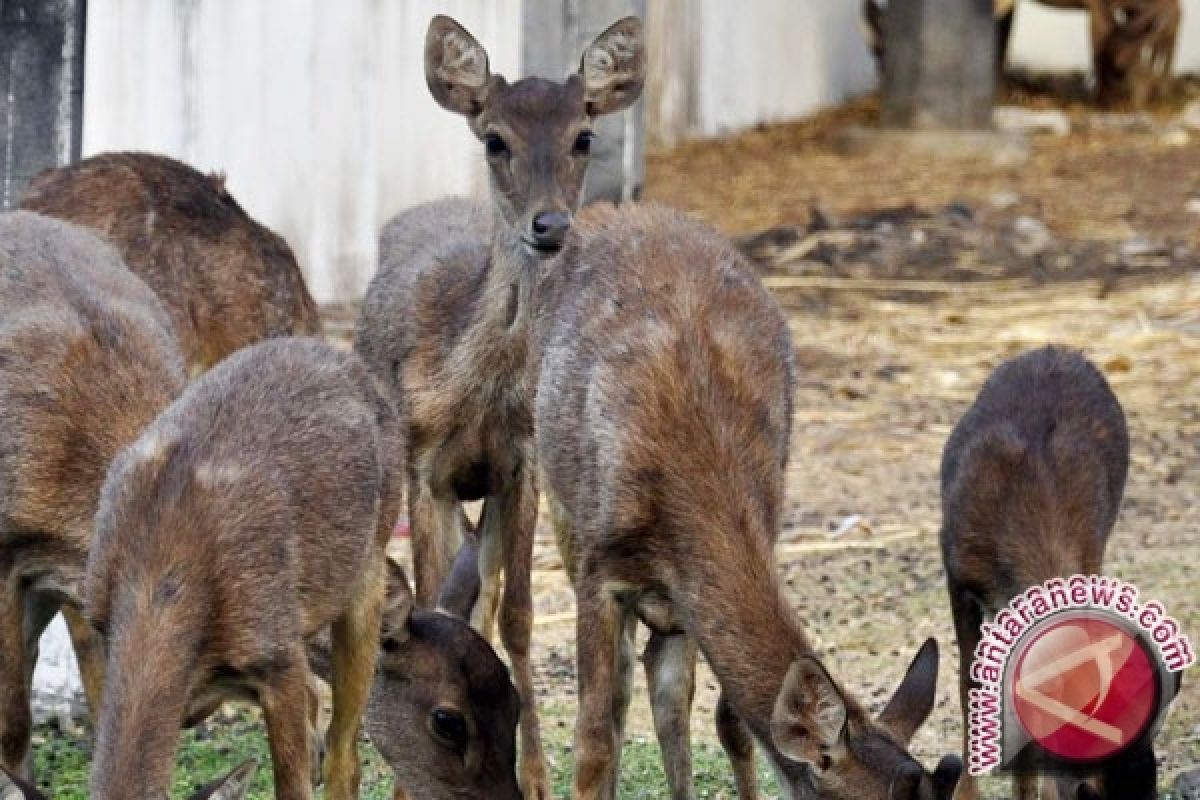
884 374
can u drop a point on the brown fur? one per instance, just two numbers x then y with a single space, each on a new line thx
226 280
1032 478
251 514
663 372
1133 43
87 359
233 786
445 322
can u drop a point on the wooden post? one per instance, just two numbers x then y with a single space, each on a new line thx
939 62
41 89
554 34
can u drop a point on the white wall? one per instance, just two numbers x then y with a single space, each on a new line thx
1049 39
317 110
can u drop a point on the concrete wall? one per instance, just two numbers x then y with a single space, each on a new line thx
1045 38
316 110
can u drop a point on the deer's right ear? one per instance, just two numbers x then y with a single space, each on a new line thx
456 67
397 607
810 714
614 68
460 591
13 788
234 786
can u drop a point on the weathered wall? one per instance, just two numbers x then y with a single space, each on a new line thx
316 110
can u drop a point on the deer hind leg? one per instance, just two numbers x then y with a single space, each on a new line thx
16 721
968 617
738 742
355 645
516 521
89 652
436 521
285 711
670 661
599 625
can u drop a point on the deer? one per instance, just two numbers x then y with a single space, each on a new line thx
253 512
87 360
446 319
226 280
662 373
234 785
1133 42
442 710
1031 482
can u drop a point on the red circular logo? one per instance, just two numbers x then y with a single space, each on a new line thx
1084 688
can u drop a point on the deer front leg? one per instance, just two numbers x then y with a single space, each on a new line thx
518 510
435 519
670 661
739 746
493 542
355 637
89 653
598 625
285 711
16 721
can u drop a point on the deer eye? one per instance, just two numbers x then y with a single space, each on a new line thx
450 726
495 144
583 143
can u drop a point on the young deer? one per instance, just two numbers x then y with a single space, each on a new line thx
233 786
1032 478
1133 42
250 515
443 712
663 372
226 280
446 320
87 360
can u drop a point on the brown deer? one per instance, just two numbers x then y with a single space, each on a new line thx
1133 42
226 280
446 319
663 375
1032 478
443 712
87 360
233 786
252 513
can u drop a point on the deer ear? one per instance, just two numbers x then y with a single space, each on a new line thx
456 67
460 592
613 68
810 714
13 788
234 786
397 607
913 700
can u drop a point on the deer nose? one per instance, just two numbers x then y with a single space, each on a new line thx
550 229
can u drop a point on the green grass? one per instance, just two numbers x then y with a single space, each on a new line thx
63 761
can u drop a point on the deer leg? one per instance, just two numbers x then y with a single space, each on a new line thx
316 736
739 746
285 711
492 544
670 661
968 617
436 523
518 512
16 720
355 637
598 624
626 657
89 652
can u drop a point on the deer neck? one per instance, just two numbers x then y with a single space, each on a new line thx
499 339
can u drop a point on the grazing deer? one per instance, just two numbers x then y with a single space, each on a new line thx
1133 42
234 786
226 280
87 360
252 513
663 372
443 712
445 321
1032 478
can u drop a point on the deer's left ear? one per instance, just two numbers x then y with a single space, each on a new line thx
614 68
